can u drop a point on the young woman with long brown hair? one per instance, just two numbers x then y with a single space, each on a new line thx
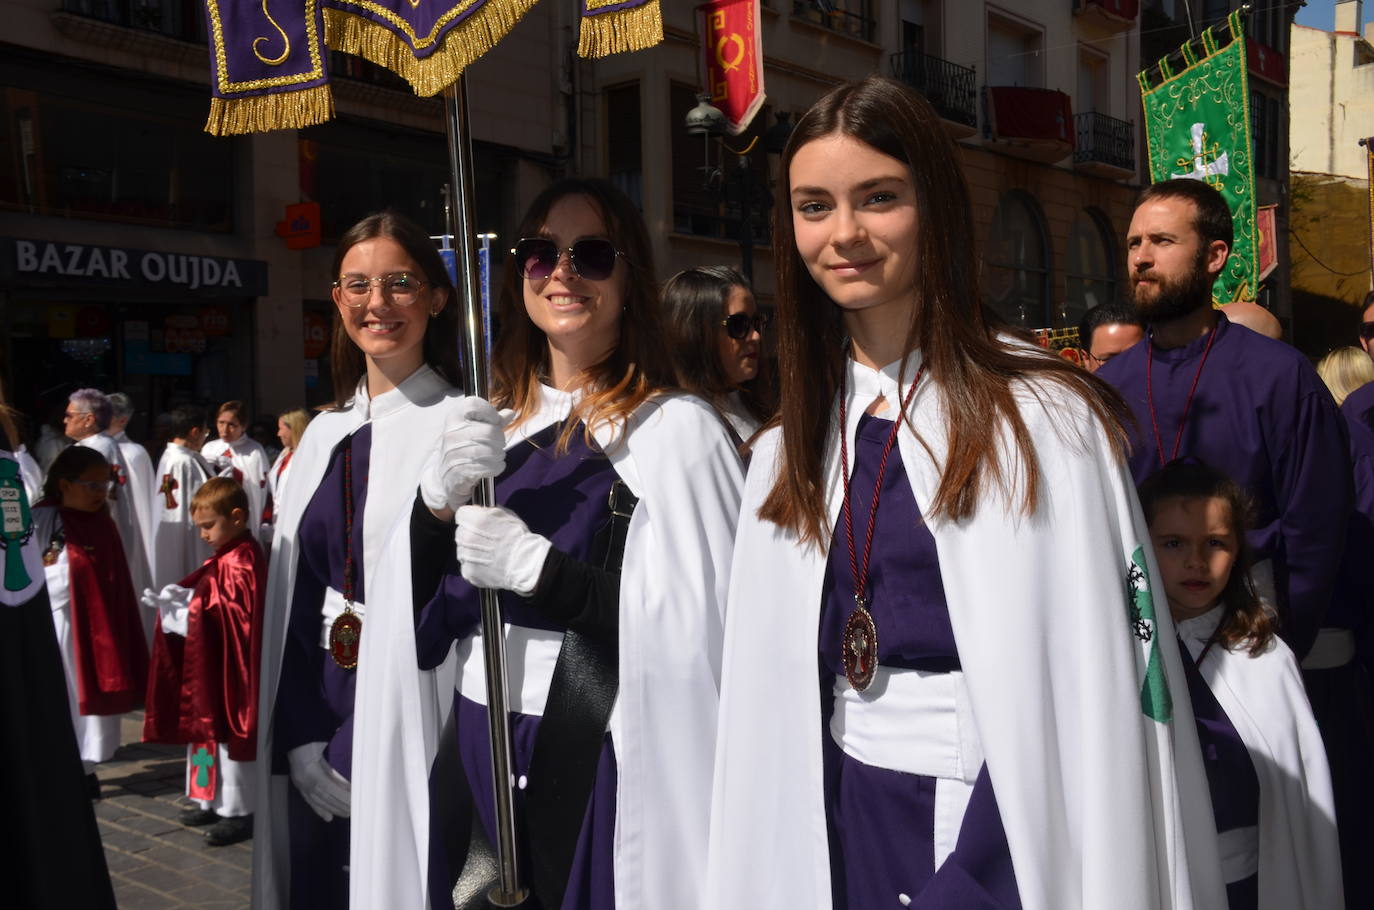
598 458
941 514
325 686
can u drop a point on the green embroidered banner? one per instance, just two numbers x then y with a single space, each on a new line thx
1197 125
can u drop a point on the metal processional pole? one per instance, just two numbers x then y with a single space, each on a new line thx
508 892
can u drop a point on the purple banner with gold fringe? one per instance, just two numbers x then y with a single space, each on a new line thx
269 61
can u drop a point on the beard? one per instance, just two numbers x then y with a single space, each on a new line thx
1174 297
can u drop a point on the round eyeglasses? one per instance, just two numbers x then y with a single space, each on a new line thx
593 258
399 288
739 325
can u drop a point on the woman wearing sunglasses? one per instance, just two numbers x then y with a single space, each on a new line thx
325 688
716 331
942 521
610 547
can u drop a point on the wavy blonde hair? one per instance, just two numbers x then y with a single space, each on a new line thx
1344 370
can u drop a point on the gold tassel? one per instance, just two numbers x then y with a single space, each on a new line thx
260 113
621 32
476 35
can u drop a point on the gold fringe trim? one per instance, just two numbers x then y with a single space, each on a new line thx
460 46
621 32
287 110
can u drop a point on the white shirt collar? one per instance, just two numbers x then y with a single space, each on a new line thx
1200 628
423 385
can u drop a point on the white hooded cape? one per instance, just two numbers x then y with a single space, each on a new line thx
679 461
250 458
141 486
177 547
1264 698
1102 805
406 421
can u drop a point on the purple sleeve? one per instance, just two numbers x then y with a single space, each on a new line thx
302 715
1312 489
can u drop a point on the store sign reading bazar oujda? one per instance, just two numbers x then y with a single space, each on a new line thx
68 262
80 261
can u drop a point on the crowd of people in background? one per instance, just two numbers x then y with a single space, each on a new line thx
1124 608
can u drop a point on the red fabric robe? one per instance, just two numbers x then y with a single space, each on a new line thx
111 656
204 687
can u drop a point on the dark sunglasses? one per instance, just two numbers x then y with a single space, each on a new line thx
1367 331
739 325
593 259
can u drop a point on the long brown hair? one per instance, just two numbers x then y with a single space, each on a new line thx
1244 622
694 303
441 333
637 367
973 369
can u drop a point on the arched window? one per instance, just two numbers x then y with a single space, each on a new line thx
1016 262
1092 268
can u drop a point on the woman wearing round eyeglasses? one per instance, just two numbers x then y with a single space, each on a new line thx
94 608
394 354
614 607
716 332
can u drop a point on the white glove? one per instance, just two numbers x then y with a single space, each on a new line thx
471 448
173 602
325 790
497 550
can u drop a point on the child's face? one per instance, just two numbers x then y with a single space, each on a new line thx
1196 545
216 529
88 492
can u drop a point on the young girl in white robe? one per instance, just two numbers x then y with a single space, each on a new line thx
936 690
1266 767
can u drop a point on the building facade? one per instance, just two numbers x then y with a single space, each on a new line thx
1333 110
103 160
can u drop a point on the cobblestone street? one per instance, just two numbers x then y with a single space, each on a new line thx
155 863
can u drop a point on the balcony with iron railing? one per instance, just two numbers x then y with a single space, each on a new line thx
1114 14
182 20
847 17
1104 145
1028 122
951 89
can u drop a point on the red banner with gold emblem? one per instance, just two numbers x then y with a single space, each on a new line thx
733 49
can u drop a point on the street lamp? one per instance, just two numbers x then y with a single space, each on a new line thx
738 186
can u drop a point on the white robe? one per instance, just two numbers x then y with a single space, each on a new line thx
276 483
679 461
97 735
1102 805
177 547
141 488
125 515
31 474
405 422
249 458
1299 854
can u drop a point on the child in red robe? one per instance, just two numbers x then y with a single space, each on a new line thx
203 686
94 610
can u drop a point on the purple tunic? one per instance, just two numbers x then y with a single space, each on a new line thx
1359 405
882 822
1262 416
315 695
1231 777
564 498
1343 698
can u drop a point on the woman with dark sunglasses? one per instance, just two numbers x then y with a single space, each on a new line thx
945 683
610 548
329 691
716 332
